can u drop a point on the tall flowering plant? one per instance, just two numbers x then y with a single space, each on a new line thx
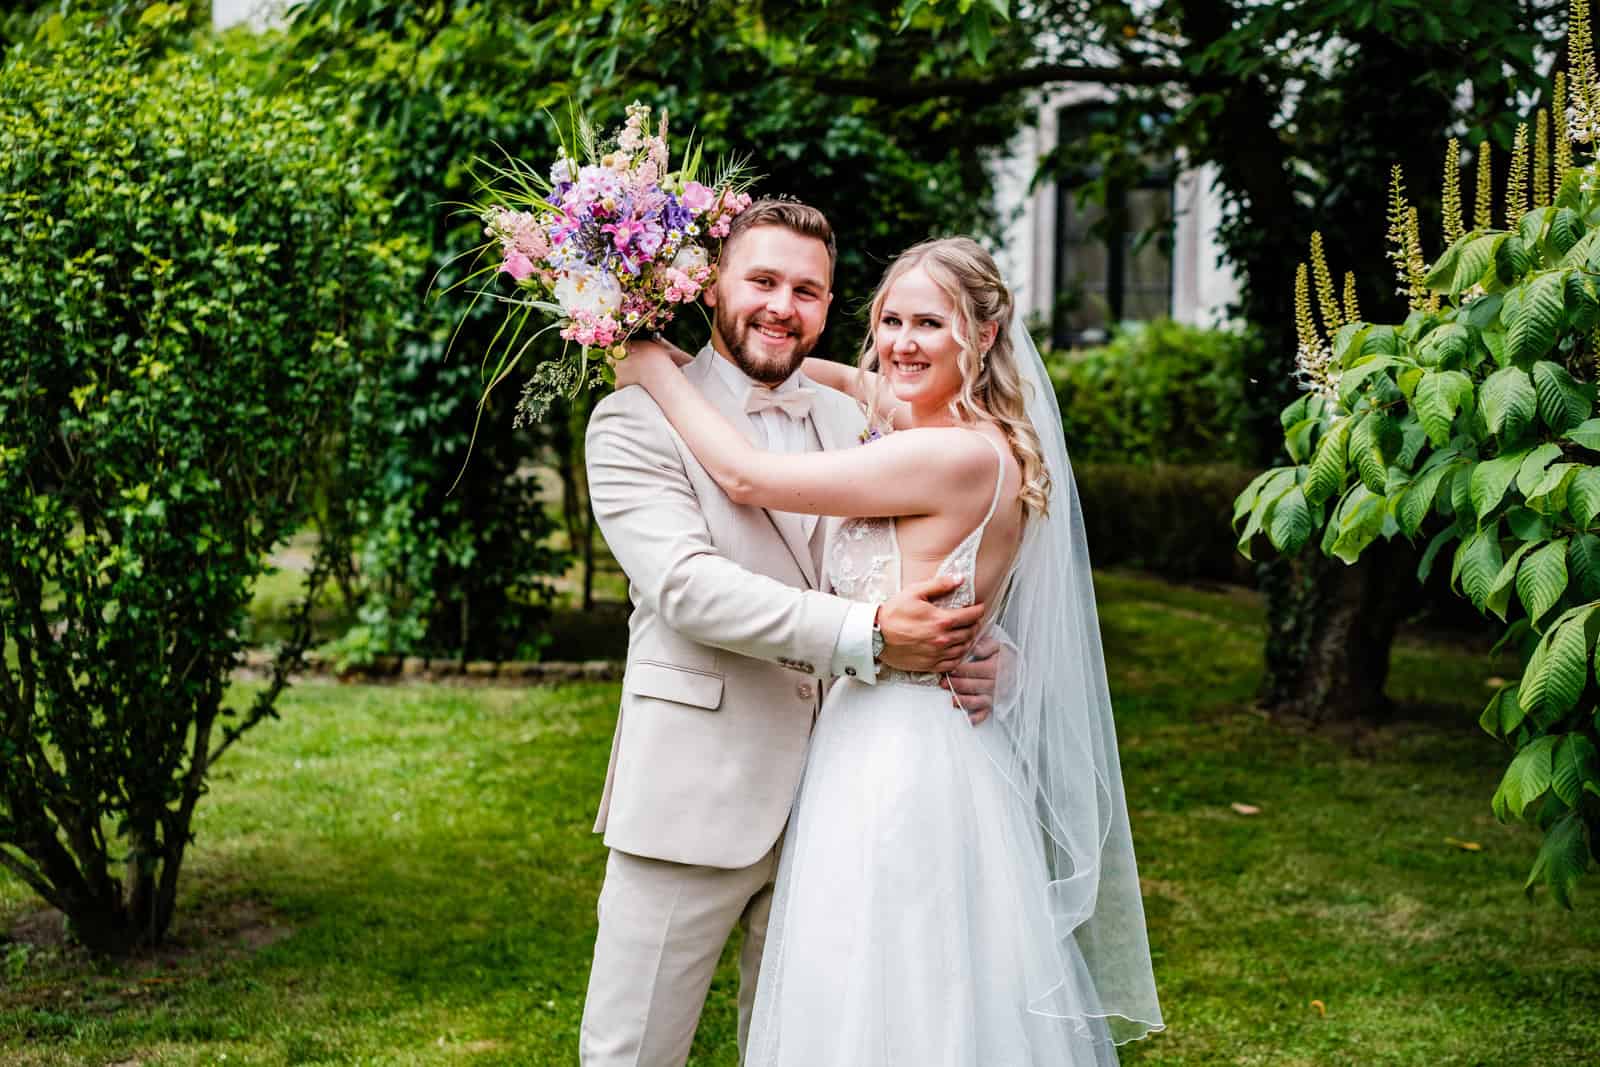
1473 427
606 243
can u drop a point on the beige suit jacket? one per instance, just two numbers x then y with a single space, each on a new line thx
729 642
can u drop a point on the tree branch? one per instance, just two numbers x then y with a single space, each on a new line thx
33 879
893 90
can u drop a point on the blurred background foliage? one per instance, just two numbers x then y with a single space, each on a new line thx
887 115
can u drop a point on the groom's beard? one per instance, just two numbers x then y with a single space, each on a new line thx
735 336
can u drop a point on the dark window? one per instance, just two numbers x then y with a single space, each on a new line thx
1113 261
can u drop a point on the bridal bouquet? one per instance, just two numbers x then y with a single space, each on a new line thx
605 244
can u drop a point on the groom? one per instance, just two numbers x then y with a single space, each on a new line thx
732 640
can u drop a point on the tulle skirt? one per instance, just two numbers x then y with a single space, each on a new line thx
910 924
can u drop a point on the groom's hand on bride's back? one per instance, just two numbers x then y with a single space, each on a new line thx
918 636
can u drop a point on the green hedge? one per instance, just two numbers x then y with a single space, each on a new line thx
1171 520
1158 392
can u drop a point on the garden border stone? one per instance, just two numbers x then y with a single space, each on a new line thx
257 664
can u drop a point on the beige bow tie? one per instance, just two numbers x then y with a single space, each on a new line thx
795 403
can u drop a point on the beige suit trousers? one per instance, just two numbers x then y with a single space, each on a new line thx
662 929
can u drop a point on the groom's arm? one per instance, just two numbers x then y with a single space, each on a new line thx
652 521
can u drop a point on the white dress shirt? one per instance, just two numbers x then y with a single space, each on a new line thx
782 432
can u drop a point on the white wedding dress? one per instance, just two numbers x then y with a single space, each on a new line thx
909 927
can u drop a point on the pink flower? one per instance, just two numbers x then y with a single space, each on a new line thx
720 227
592 331
517 265
697 197
681 288
623 232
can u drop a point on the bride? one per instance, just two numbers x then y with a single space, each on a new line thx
948 894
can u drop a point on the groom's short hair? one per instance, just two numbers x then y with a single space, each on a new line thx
792 215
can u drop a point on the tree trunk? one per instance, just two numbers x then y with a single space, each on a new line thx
1330 626
1330 631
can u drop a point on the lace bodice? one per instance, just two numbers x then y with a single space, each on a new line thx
863 563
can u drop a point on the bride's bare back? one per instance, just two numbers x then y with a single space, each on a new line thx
926 541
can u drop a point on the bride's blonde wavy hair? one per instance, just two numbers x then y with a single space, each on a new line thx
991 384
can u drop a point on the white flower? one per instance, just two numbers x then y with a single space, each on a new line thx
561 170
595 291
690 258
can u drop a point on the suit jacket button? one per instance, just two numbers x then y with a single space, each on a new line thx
803 691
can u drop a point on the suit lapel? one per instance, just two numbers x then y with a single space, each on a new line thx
832 431
791 528
838 422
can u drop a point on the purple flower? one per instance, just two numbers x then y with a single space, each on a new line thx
675 216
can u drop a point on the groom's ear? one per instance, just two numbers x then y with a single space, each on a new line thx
708 295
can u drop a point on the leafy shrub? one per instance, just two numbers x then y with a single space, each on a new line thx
1158 392
1471 428
196 280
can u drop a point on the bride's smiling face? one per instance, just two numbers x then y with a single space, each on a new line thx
915 335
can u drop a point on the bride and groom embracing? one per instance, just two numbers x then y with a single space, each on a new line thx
930 858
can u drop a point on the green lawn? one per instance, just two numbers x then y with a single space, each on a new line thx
405 875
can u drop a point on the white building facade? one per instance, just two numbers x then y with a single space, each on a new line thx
1079 278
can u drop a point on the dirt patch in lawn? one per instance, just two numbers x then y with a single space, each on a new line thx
43 961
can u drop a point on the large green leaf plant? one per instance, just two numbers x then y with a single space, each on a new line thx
1471 429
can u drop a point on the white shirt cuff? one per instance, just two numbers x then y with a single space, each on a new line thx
852 653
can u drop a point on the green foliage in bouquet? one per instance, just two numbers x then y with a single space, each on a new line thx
196 279
1471 428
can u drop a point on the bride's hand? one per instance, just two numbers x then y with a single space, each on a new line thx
632 369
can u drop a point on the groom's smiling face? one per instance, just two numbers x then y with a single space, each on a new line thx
770 301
